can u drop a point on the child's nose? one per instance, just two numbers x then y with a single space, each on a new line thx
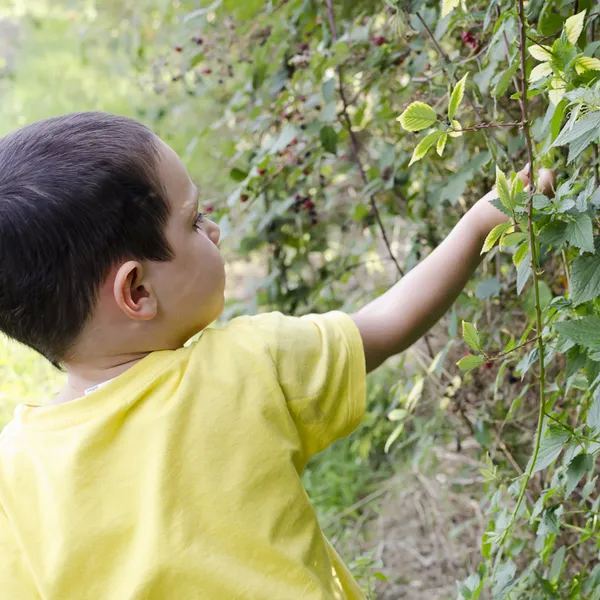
213 231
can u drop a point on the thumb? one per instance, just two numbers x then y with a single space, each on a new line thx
523 174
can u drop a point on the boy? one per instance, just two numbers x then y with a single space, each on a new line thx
164 471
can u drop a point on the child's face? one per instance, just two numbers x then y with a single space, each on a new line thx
190 287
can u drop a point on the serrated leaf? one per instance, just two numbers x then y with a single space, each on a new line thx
417 116
467 363
593 413
539 71
550 447
448 6
471 336
578 467
574 26
541 53
585 279
590 122
441 144
423 146
557 562
493 236
585 331
520 254
456 97
587 63
512 239
580 233
524 272
554 233
503 189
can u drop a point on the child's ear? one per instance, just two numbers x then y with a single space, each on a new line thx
134 295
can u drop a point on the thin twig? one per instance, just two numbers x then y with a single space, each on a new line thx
535 339
538 311
490 126
354 142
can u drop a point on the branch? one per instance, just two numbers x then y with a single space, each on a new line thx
538 311
490 126
354 142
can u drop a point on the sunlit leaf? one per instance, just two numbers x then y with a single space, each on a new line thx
574 26
493 236
471 336
448 6
456 97
424 145
503 189
539 71
417 116
441 144
542 53
557 90
470 362
587 63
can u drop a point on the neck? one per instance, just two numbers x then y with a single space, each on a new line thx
83 374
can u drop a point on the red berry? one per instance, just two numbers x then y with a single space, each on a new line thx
208 209
178 49
488 365
261 172
308 204
302 98
466 36
244 198
207 71
379 40
306 171
304 47
297 197
198 40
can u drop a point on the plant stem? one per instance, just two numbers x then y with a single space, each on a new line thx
535 339
538 311
354 142
490 126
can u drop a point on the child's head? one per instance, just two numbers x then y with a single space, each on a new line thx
101 246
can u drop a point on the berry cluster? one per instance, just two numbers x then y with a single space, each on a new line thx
308 205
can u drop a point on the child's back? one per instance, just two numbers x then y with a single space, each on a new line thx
164 471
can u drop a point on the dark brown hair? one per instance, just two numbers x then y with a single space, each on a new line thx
78 193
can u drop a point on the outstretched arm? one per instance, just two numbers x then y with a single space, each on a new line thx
394 321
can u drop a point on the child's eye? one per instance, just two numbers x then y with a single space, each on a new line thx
199 220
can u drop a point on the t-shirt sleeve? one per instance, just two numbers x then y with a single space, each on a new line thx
320 365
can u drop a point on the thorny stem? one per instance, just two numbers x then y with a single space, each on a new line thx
538 311
354 142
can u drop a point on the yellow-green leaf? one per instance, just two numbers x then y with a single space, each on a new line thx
574 26
417 116
456 97
587 63
448 6
557 90
457 127
470 362
424 145
503 189
441 144
493 236
520 253
471 336
539 71
541 53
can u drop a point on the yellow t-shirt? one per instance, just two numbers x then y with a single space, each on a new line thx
181 477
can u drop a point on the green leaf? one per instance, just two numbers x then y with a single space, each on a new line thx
424 145
550 447
448 6
585 279
578 467
503 189
524 272
466 363
580 232
441 144
574 26
539 52
504 80
585 331
593 413
555 233
329 139
520 253
393 437
540 71
557 563
471 336
456 97
512 239
237 174
329 90
493 236
590 122
417 116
